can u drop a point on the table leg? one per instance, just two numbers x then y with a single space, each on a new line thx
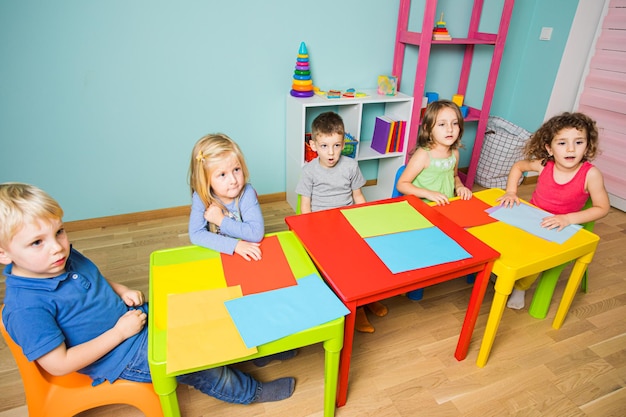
332 348
571 288
165 387
169 404
503 288
346 354
473 308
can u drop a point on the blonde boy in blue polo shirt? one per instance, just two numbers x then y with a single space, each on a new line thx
66 316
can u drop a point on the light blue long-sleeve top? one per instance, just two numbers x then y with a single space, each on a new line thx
244 221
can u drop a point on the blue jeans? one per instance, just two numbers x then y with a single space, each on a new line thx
224 383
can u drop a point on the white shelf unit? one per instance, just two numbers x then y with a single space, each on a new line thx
358 116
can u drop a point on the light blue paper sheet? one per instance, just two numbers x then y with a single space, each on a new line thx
528 218
268 316
416 249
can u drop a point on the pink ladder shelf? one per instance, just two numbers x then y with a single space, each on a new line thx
424 41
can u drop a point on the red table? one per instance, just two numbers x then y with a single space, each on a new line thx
359 277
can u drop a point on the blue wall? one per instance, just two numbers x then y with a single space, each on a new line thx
102 101
529 65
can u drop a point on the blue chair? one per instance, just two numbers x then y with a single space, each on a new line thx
395 193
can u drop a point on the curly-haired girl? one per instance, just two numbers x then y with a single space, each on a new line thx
560 151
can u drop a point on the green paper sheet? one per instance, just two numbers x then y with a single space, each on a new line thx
384 219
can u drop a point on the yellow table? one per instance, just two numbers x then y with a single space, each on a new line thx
330 334
523 254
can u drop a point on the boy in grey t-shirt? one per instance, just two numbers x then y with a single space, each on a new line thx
331 181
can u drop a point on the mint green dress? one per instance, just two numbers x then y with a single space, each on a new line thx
438 176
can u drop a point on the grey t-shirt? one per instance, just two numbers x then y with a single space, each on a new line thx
330 187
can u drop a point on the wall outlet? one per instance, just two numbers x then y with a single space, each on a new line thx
546 34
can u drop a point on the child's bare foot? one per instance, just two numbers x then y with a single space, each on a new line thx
362 324
516 299
378 308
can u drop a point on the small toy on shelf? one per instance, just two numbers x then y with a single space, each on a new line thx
431 96
387 85
440 32
350 145
349 93
302 85
309 154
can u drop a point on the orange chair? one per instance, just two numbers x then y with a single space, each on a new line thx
68 395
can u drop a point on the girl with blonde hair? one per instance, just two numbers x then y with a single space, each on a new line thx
225 212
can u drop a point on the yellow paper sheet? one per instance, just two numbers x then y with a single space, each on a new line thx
384 219
182 278
201 331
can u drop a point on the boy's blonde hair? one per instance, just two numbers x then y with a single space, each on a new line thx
22 203
208 151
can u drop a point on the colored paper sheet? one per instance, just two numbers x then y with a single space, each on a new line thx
466 213
272 271
265 317
383 219
528 218
416 249
201 332
181 278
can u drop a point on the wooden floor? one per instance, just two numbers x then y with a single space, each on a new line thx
407 367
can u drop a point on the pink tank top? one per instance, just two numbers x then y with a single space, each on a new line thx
561 198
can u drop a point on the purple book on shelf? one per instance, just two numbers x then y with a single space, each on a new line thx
381 134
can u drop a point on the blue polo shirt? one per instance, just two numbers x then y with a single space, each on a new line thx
74 307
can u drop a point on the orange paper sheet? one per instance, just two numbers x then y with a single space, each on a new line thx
271 272
201 331
467 213
182 278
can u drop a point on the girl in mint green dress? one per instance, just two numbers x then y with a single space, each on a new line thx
432 171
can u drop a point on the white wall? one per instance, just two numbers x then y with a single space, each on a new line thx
573 68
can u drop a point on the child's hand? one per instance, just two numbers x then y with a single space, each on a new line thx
557 222
213 214
464 193
509 200
133 298
131 323
436 197
248 250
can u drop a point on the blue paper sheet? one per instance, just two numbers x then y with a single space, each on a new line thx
416 249
268 316
528 218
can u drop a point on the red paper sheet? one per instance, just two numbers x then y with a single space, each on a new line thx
271 272
467 213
